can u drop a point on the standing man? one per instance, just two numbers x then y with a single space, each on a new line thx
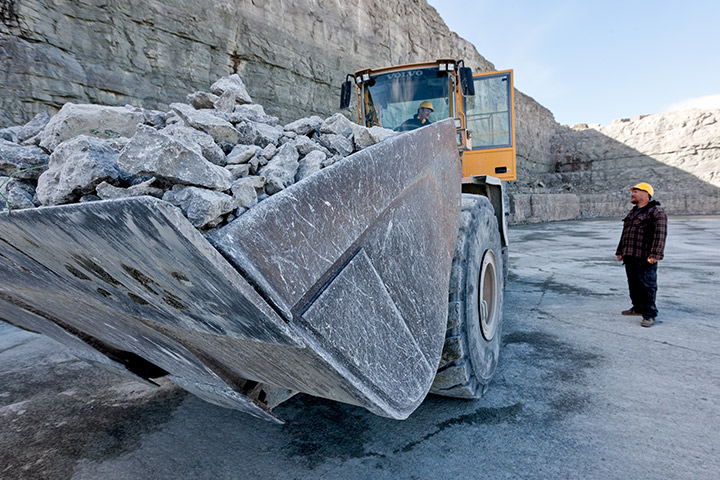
641 247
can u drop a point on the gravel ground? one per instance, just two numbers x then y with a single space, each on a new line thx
580 392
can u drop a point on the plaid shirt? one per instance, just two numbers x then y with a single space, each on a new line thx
644 232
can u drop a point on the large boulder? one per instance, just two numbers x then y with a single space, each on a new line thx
310 164
234 84
219 129
24 162
203 207
305 126
33 128
280 172
97 120
154 153
16 194
76 167
209 149
260 134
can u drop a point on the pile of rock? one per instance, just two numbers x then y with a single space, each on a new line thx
214 157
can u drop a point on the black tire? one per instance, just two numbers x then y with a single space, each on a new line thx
472 341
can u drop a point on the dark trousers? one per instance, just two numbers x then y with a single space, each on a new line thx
642 281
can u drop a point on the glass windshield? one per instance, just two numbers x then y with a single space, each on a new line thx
393 100
488 112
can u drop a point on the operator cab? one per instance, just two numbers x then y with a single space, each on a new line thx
390 97
481 104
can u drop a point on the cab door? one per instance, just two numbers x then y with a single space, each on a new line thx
490 117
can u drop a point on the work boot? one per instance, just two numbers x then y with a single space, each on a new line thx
647 322
630 311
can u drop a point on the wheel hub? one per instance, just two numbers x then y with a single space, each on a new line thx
487 295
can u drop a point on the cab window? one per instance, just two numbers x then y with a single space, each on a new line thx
489 113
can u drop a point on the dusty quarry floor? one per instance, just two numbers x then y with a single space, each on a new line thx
581 391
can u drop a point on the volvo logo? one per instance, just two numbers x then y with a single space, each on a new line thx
408 73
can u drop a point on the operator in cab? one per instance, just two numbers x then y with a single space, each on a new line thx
420 119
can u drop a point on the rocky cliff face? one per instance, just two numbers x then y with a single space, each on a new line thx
292 54
678 153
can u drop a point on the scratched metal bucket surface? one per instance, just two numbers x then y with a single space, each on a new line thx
335 287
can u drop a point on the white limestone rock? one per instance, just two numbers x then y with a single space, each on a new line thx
338 124
201 206
76 167
364 137
10 133
226 102
310 164
97 120
154 153
245 190
33 128
242 154
107 191
305 145
337 144
201 100
15 158
234 84
260 134
220 130
251 113
269 151
280 172
154 118
237 171
209 149
17 194
305 126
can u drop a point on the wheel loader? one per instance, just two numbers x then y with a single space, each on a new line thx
413 96
372 282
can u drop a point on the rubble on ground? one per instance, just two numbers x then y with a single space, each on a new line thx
214 157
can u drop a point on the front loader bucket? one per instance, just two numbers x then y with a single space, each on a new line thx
336 286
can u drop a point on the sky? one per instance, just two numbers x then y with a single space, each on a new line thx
593 61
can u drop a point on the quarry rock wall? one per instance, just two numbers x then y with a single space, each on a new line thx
676 152
293 55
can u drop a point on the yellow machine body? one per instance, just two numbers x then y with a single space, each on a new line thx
484 113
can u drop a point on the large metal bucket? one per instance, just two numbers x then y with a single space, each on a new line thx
336 286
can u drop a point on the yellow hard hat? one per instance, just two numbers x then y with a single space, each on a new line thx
645 187
426 104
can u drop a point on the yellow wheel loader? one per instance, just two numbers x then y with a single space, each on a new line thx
416 96
337 286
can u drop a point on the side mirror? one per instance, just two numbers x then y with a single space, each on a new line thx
345 94
467 84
